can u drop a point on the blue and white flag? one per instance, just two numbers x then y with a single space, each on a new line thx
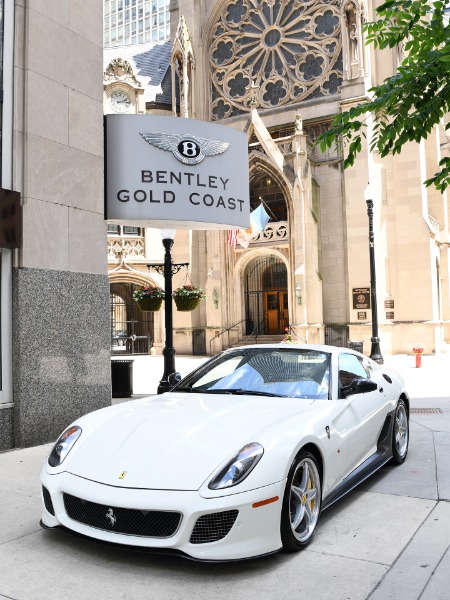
259 219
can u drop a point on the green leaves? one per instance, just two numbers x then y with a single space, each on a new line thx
406 106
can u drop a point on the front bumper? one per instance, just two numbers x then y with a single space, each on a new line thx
255 532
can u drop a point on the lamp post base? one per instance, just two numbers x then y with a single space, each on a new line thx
375 351
169 368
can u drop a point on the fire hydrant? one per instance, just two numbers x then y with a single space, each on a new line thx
418 352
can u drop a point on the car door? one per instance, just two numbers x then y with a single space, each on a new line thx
363 414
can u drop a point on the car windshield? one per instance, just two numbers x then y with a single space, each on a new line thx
297 373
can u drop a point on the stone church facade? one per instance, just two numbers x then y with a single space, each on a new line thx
280 70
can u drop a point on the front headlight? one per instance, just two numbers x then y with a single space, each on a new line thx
238 468
64 445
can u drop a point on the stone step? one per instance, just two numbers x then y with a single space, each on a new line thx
260 339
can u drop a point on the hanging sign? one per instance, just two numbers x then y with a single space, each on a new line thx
170 171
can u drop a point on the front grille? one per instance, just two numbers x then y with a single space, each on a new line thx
48 501
128 521
213 527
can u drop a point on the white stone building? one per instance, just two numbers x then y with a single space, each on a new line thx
280 71
55 342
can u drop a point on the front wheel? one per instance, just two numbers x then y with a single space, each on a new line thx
301 503
400 434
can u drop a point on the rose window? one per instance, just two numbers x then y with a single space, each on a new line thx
274 52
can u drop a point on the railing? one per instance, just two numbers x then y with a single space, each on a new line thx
129 247
434 225
274 232
222 332
257 331
290 331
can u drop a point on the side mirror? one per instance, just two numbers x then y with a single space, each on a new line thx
359 386
174 378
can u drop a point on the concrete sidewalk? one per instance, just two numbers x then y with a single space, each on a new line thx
389 538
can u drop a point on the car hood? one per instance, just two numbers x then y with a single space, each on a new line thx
174 441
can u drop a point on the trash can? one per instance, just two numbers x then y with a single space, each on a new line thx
358 346
122 378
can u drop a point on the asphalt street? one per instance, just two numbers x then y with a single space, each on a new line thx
389 538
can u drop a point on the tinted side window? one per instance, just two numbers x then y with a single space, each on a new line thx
350 367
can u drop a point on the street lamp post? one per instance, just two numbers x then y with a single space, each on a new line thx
375 351
168 269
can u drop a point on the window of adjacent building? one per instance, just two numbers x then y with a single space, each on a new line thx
124 230
5 326
132 12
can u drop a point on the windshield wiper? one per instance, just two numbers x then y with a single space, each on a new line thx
240 392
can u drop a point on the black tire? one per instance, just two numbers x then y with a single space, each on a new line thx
400 433
301 503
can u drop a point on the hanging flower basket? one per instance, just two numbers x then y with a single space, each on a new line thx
149 299
186 304
150 304
187 297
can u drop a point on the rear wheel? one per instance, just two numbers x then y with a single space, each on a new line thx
400 434
301 503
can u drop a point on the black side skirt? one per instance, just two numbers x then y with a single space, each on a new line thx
367 468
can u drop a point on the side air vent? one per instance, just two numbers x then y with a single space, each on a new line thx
48 501
213 527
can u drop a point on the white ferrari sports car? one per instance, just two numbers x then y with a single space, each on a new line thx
238 460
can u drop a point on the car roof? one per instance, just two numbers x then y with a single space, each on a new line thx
333 350
298 346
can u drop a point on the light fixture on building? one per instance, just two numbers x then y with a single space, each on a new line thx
298 293
375 351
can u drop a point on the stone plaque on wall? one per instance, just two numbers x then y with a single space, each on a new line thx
361 298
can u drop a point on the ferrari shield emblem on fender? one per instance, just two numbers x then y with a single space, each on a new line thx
122 475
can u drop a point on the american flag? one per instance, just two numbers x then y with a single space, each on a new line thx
232 237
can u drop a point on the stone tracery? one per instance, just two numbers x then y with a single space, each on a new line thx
290 50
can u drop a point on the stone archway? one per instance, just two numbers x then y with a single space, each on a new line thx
132 331
266 296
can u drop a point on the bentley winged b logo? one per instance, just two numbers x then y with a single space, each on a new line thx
188 149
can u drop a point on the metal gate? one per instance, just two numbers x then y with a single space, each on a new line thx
336 335
266 297
198 342
131 329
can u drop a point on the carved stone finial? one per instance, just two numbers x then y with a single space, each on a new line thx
253 87
298 123
120 70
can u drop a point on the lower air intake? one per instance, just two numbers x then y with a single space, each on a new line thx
213 527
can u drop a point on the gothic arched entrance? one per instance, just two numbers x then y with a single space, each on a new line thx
132 330
266 296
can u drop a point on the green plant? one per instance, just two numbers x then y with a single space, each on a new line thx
148 292
189 291
288 339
